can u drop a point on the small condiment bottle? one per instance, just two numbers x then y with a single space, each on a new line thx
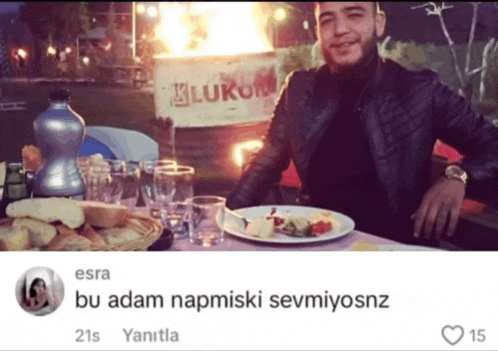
16 186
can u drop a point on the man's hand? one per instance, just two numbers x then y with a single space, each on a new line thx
443 200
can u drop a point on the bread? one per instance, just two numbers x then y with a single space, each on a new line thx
89 233
98 214
68 240
14 239
32 157
49 210
40 233
117 236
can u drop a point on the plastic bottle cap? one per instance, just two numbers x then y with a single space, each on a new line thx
60 94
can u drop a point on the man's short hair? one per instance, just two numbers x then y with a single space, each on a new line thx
376 6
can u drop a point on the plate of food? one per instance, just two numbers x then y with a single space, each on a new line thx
287 224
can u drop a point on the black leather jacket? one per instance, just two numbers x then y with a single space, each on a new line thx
404 113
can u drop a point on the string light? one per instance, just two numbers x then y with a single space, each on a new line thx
22 53
51 50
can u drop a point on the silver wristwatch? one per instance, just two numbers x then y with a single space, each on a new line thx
455 172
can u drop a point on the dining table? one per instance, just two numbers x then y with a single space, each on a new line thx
345 243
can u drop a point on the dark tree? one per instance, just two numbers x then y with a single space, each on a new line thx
60 22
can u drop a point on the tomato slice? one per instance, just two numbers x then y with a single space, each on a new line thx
320 228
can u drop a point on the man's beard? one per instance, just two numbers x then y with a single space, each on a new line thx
367 48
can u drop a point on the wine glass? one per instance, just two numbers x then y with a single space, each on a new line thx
130 179
147 181
173 186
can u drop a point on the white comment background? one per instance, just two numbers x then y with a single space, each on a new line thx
427 290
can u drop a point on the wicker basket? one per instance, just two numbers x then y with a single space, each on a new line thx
150 230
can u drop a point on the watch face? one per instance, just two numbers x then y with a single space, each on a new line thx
454 171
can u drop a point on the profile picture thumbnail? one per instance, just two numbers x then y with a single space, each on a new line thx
40 291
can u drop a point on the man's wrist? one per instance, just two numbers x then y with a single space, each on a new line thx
457 173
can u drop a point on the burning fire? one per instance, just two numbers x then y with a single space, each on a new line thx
242 150
212 28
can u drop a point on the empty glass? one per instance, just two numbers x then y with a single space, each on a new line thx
104 186
147 182
85 168
206 220
116 166
130 180
173 185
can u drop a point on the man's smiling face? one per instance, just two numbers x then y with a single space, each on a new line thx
347 32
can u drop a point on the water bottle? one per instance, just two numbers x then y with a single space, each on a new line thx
59 133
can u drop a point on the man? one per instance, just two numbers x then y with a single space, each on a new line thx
361 131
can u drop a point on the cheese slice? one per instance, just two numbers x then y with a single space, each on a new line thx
261 228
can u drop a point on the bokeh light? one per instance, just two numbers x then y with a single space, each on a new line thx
140 9
22 53
152 11
280 14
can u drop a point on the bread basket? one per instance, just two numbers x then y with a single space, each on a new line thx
149 229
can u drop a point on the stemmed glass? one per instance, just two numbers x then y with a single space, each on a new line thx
111 180
147 183
130 178
173 185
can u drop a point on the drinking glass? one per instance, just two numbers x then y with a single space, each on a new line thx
85 168
116 166
130 180
206 220
104 186
174 185
147 182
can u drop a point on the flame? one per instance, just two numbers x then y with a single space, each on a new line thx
242 150
211 28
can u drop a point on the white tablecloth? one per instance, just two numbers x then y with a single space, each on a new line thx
231 243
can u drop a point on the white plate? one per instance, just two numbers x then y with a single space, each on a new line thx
344 227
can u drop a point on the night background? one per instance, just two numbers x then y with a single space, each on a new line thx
46 42
403 22
91 43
